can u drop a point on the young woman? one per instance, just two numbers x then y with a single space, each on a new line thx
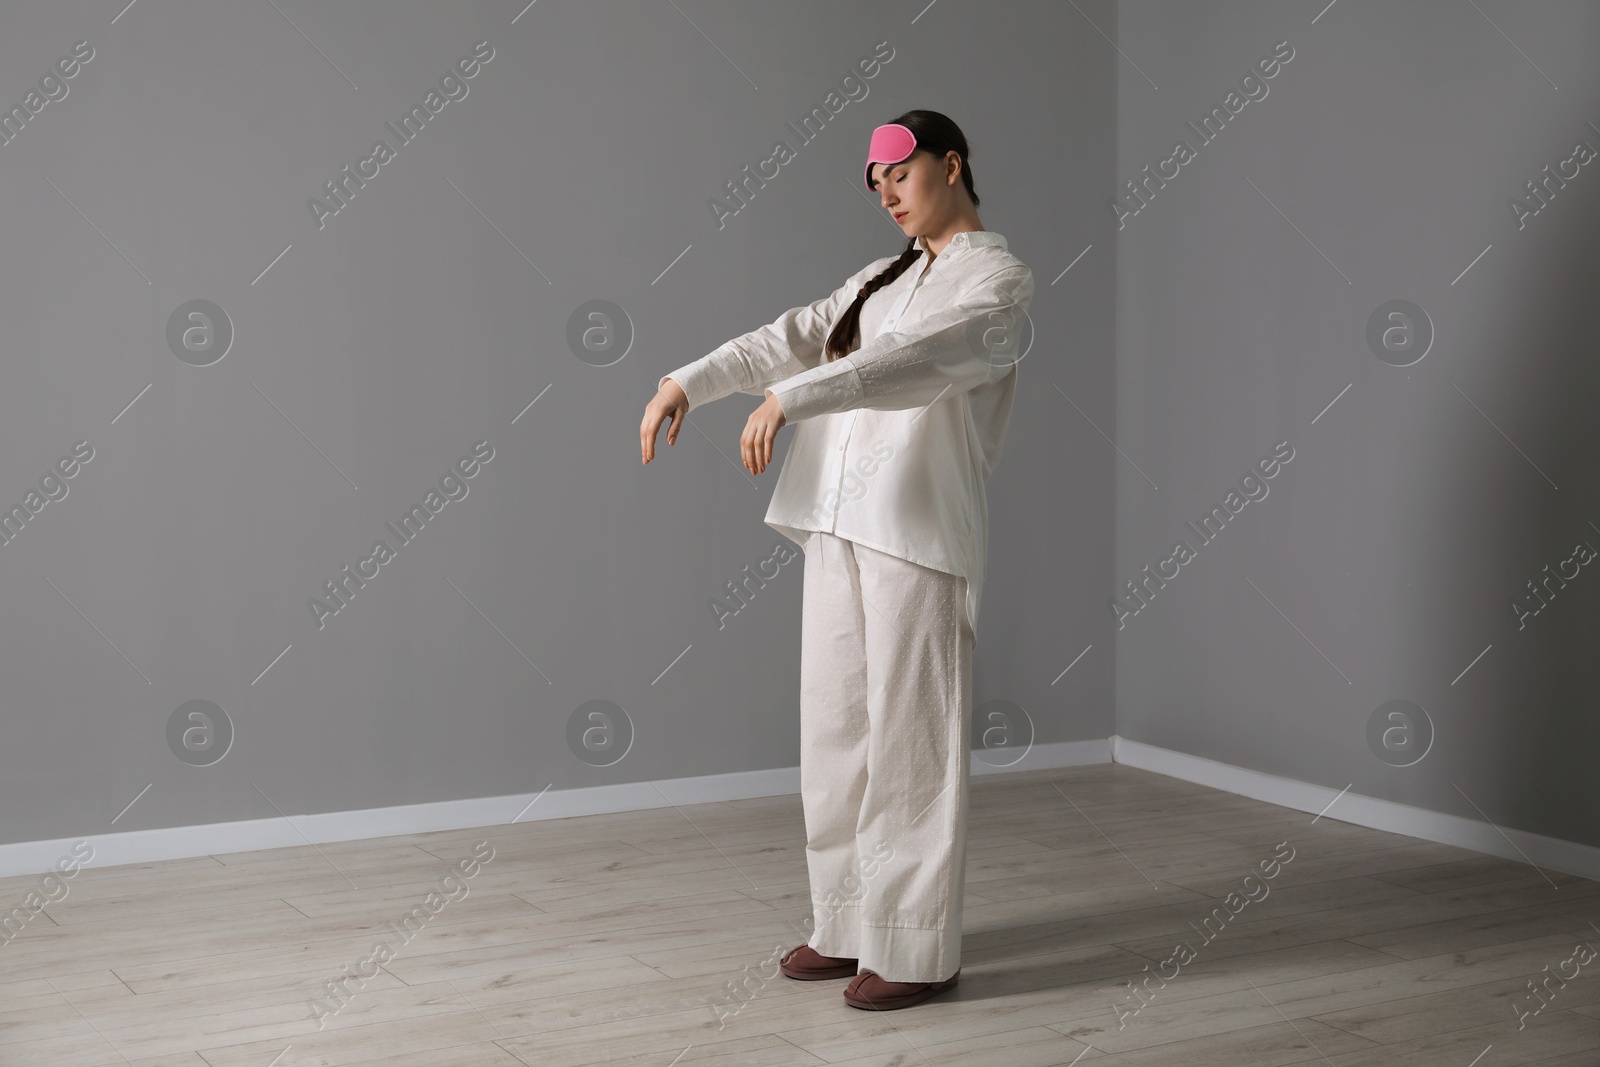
900 386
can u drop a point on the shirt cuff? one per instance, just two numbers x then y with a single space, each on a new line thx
832 386
701 381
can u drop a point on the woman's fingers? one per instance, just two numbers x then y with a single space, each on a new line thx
650 428
764 437
647 434
749 446
755 443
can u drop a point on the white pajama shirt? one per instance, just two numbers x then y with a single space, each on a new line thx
893 442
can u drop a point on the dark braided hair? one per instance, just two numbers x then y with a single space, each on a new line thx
938 136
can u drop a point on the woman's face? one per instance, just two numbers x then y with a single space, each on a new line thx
917 192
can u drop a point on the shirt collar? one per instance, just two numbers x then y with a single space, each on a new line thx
965 239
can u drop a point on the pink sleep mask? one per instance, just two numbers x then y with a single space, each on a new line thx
891 143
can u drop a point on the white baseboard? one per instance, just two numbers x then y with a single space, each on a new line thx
185 842
1518 845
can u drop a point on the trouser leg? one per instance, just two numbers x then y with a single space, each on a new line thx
833 740
912 828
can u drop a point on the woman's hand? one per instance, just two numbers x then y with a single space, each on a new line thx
755 444
670 402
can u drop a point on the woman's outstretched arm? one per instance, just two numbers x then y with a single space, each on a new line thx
951 351
787 346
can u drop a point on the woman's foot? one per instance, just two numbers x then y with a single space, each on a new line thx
809 965
872 992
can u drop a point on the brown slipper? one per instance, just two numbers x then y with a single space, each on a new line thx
872 992
809 965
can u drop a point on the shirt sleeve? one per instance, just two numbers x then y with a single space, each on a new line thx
781 349
948 352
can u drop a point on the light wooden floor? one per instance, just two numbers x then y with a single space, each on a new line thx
605 939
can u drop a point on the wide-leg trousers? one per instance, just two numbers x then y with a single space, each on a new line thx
885 726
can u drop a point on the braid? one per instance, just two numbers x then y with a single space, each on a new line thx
846 335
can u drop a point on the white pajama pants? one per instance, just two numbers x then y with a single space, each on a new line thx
885 727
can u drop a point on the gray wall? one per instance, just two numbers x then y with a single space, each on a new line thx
1390 550
371 353
1225 316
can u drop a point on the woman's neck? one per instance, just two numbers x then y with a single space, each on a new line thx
935 244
